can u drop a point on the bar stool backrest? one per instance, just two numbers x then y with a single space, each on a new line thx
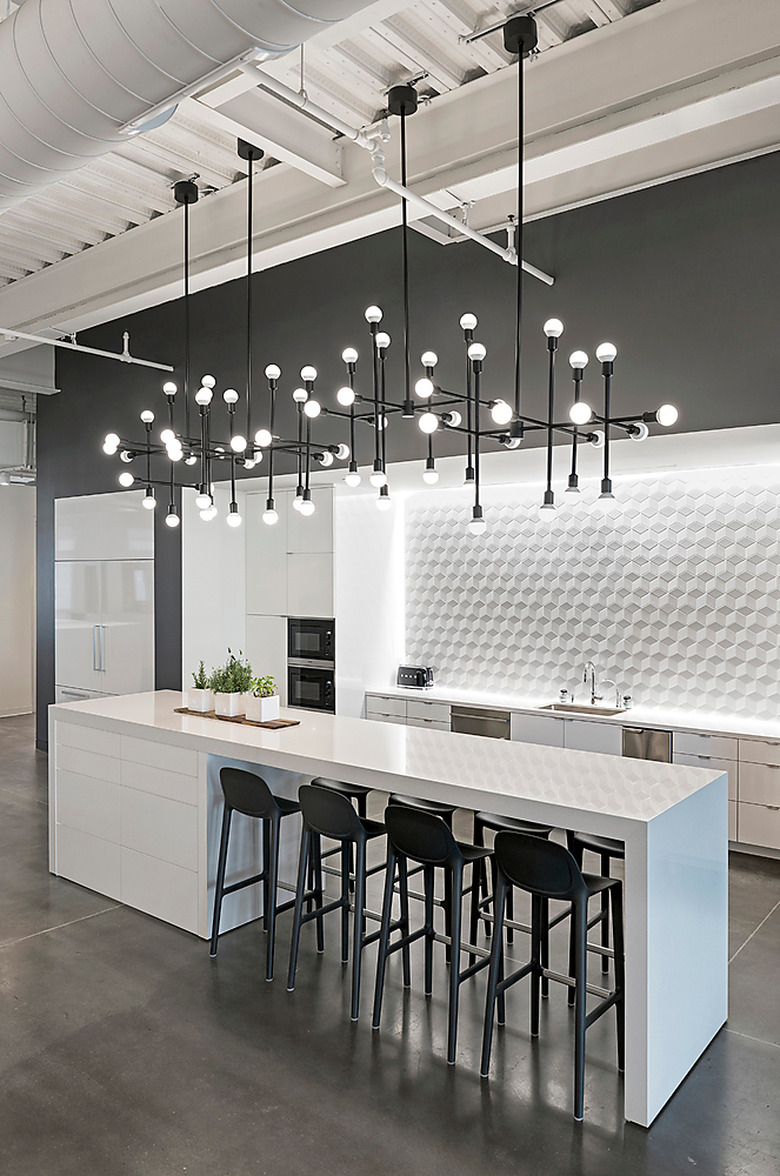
329 813
247 793
421 836
538 866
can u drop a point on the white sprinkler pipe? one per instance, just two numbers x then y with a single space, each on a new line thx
123 356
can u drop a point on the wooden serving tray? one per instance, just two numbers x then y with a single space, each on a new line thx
271 724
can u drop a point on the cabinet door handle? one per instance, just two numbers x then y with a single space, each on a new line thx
707 757
774 767
95 647
103 647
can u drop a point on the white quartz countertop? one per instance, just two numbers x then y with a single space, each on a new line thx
564 786
659 718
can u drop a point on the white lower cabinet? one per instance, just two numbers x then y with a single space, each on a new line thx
733 820
587 736
537 729
714 763
380 706
759 824
432 724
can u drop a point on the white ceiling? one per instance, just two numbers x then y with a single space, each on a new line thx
623 94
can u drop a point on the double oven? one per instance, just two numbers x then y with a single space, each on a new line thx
311 652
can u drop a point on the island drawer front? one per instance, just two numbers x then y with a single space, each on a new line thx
759 751
419 709
716 745
537 729
431 724
88 860
172 785
90 805
87 738
161 889
715 763
379 704
759 783
388 719
160 755
759 824
160 828
88 763
732 820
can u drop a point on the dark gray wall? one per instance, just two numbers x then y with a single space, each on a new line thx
684 278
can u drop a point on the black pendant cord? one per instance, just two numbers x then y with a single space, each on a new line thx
381 418
377 441
552 345
300 448
477 394
351 381
204 464
232 480
148 454
430 451
408 410
519 238
272 393
308 456
469 418
575 436
172 500
187 324
606 485
249 228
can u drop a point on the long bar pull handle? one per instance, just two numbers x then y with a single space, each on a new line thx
95 647
102 647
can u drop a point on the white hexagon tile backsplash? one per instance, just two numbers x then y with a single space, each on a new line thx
674 591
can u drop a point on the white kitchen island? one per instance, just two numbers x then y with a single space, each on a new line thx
135 812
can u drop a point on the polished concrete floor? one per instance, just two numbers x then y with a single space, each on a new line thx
125 1049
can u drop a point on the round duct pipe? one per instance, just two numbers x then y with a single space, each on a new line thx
74 73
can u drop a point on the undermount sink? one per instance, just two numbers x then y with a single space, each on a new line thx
575 709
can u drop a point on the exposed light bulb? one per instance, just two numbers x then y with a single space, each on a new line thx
233 519
428 422
511 442
553 328
667 415
429 359
190 459
501 412
209 513
477 351
580 413
297 502
345 396
300 395
578 359
273 371
308 373
424 388
167 436
477 526
430 477
307 508
111 443
382 340
452 419
203 501
263 438
270 517
381 423
175 452
378 479
597 439
171 519
326 459
126 479
468 322
230 396
312 408
238 443
373 314
639 432
208 382
349 355
204 396
384 501
606 352
169 388
147 416
352 479
342 453
149 502
251 462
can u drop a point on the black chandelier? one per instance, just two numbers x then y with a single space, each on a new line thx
467 412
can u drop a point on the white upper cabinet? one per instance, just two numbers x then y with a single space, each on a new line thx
266 556
310 587
78 599
103 526
312 535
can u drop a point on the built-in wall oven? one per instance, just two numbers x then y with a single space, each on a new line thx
311 681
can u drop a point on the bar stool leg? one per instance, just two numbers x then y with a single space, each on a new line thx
428 879
616 895
456 918
494 971
448 914
476 883
266 836
480 871
220 883
545 945
384 937
403 886
359 921
605 912
346 866
272 876
315 852
536 961
303 862
580 973
510 910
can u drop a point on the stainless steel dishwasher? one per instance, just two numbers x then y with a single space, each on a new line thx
480 721
644 743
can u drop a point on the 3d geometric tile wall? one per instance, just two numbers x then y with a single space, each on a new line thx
674 592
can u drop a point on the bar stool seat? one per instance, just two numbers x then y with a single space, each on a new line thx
436 807
603 845
248 794
356 792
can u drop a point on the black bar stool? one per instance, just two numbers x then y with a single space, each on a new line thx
327 813
249 794
606 848
427 839
447 813
547 871
356 792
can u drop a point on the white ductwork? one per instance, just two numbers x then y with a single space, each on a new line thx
76 75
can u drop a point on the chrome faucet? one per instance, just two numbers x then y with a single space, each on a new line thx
609 682
589 676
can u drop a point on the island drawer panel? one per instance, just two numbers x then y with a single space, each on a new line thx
88 860
387 718
160 827
759 824
380 704
159 888
716 745
715 764
759 783
172 785
88 763
88 804
431 724
420 709
86 738
759 751
160 755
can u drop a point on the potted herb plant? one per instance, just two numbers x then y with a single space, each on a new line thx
261 703
230 683
200 696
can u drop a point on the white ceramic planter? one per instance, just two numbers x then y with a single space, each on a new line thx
261 710
200 700
229 705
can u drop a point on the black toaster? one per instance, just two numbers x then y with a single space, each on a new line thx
418 677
